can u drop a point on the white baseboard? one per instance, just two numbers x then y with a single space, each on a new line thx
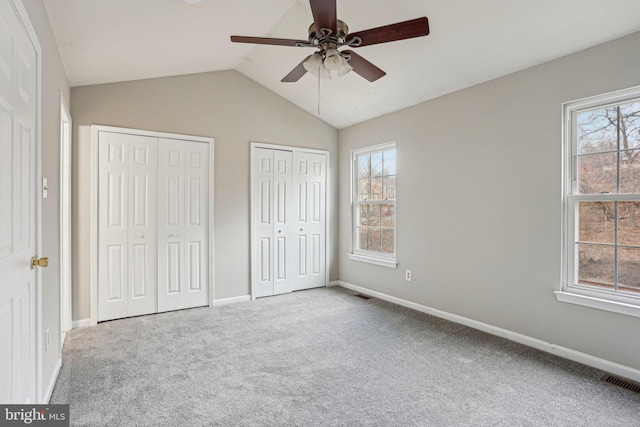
82 323
334 283
567 353
232 300
52 383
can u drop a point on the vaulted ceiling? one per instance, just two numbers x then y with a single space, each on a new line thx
471 41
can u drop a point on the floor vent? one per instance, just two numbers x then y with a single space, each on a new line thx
622 382
362 296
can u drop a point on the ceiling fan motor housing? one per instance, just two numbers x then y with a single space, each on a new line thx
324 36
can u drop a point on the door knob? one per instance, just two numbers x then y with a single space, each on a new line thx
302 229
279 231
42 262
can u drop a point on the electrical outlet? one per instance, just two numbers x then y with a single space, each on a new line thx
46 339
407 275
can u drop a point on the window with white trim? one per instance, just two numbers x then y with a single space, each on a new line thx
373 205
602 202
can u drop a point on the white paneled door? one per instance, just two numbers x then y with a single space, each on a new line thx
310 174
18 180
288 226
183 204
127 242
273 242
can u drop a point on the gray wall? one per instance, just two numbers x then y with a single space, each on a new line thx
54 84
479 209
224 105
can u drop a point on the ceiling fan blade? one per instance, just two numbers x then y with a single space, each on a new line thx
389 33
324 15
267 40
363 67
296 73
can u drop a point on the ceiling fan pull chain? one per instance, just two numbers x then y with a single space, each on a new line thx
319 89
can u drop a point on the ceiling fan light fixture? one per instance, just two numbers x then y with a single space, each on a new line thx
313 63
344 69
333 65
323 72
333 60
315 66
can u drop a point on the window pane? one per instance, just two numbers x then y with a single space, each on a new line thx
374 239
376 188
629 269
363 166
374 215
630 171
389 191
389 162
374 198
597 130
387 241
595 265
363 238
376 164
629 223
362 214
387 216
364 189
597 222
630 125
597 173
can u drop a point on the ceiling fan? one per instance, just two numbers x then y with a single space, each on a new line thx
328 34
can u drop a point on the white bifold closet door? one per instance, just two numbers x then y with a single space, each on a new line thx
183 224
127 247
289 237
273 257
309 176
153 224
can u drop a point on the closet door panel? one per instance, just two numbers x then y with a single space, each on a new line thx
282 232
112 227
196 230
127 270
263 223
310 174
183 224
143 225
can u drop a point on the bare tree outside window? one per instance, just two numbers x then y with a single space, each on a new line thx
607 163
375 197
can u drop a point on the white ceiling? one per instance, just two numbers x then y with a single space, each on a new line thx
471 41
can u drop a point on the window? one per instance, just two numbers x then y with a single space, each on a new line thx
602 202
373 205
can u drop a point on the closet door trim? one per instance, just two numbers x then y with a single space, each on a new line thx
328 207
93 236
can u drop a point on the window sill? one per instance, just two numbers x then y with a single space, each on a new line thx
371 260
598 303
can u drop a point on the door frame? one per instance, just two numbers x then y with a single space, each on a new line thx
327 207
66 289
93 237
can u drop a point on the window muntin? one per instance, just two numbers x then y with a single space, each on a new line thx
603 204
374 202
